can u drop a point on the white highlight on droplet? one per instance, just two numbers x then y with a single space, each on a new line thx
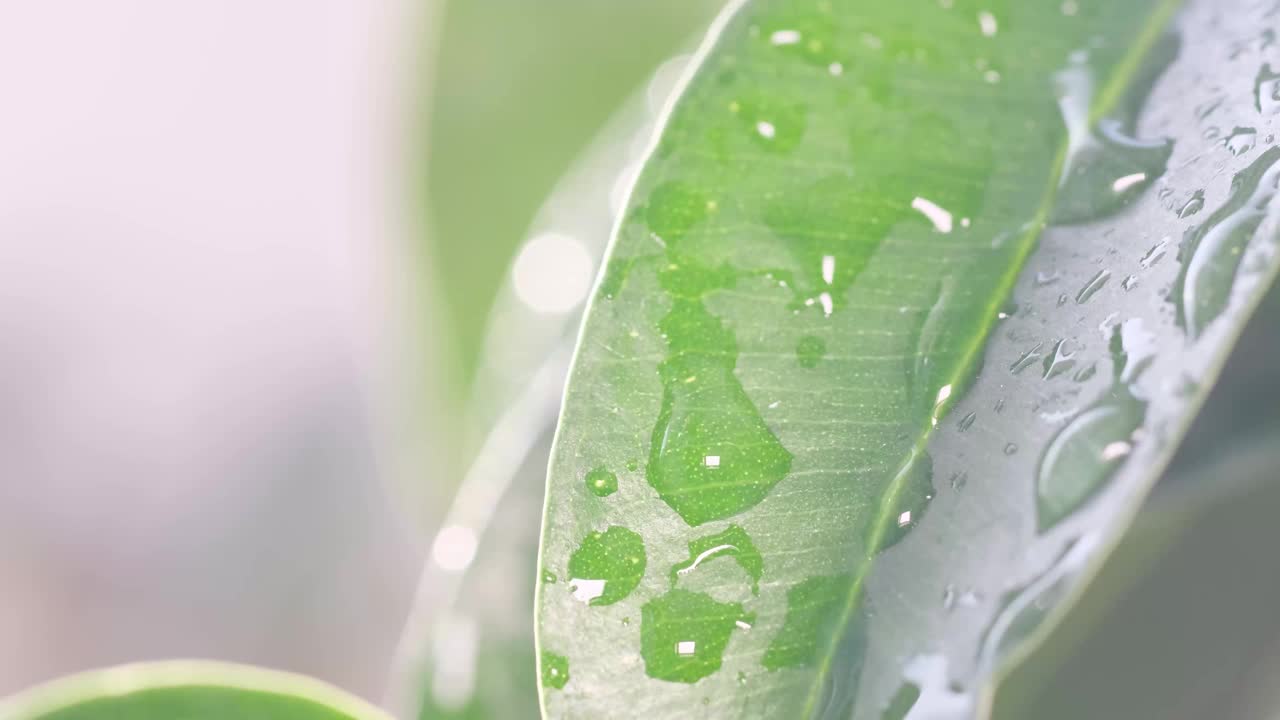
686 647
988 23
940 218
552 273
1116 449
454 548
586 590
1128 181
827 304
904 519
828 268
943 394
766 130
711 461
742 625
836 69
785 37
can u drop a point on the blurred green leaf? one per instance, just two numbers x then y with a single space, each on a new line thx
519 89
888 302
187 690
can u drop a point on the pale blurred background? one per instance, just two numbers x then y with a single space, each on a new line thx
247 250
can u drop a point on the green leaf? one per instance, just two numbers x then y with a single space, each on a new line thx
467 650
895 295
190 690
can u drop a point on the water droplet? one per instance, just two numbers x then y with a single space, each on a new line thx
1193 205
810 351
1085 373
1214 249
902 702
732 542
966 422
548 577
607 566
1106 167
691 424
1155 254
959 480
811 605
1241 140
555 670
1047 278
1058 361
742 678
1129 283
1091 288
953 597
1085 453
1026 359
601 482
1266 91
1011 449
683 634
915 492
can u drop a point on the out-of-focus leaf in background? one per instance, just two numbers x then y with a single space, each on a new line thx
184 690
520 89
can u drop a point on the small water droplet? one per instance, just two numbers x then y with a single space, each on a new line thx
959 480
1011 449
548 577
601 483
1241 140
1092 287
1129 283
966 422
1193 205
1047 278
607 566
1155 254
1266 91
1058 361
555 670
810 351
1026 359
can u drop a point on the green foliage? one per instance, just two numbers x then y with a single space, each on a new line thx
877 245
186 690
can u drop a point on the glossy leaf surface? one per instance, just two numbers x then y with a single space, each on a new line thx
187 690
889 299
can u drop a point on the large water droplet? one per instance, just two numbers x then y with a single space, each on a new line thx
1106 166
1213 251
813 608
607 566
1084 454
683 634
732 542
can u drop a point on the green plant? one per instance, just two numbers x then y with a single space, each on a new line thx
910 308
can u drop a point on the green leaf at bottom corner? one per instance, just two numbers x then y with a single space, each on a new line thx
187 690
888 301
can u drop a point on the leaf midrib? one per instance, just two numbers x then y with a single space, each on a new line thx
1111 94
